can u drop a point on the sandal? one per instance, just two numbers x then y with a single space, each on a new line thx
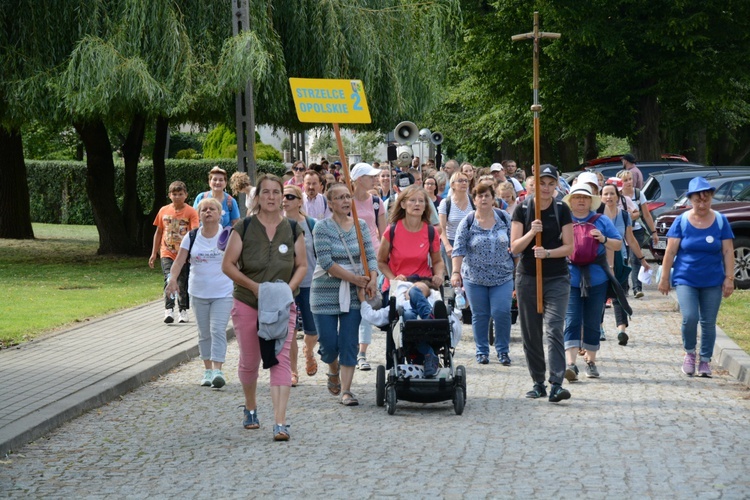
349 399
295 379
334 388
311 365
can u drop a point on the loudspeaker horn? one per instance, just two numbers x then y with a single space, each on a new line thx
406 133
424 135
436 138
404 155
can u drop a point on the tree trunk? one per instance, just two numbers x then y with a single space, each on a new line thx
132 210
648 147
568 151
160 176
590 149
100 187
15 211
694 145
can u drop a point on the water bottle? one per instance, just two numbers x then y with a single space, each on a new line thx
172 296
460 299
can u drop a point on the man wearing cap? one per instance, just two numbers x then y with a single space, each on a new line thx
369 210
498 172
556 228
628 162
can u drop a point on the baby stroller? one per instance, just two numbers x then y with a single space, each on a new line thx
404 379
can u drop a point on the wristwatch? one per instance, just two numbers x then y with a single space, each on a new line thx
547 256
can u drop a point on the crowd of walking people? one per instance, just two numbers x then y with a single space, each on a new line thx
300 251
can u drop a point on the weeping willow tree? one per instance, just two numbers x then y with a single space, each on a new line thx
36 38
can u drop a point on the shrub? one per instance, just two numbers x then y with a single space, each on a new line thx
188 154
57 189
179 141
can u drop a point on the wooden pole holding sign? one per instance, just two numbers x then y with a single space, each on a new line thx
536 108
334 101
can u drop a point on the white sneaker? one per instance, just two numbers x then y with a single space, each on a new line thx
169 315
208 375
184 317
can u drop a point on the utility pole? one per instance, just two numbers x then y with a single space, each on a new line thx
243 101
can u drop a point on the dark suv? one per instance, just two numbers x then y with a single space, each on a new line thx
738 215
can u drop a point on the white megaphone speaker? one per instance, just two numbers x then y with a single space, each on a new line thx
424 135
406 133
404 155
436 138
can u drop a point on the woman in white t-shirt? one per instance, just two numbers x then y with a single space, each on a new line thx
209 288
451 211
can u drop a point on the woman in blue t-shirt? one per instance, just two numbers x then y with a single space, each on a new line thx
700 255
587 296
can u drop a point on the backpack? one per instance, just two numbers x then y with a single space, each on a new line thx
585 247
501 213
229 200
448 206
376 207
430 235
529 217
192 235
246 222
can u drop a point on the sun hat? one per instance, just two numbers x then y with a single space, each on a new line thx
363 169
698 185
584 189
586 177
496 167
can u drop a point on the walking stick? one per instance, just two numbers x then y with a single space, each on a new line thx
536 108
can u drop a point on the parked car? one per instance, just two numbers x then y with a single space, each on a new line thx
727 189
738 215
610 169
664 188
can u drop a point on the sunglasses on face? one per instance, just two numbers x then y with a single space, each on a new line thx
291 197
297 169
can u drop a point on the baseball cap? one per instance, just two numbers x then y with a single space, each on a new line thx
496 167
629 158
548 170
363 169
588 177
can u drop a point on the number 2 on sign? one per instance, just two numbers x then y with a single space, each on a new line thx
356 106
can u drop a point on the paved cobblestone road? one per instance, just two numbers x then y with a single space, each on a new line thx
642 430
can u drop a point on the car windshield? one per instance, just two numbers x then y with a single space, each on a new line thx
744 195
652 189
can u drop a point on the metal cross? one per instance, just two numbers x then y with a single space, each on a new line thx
536 108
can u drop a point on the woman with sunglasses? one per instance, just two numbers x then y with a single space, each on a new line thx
333 299
292 205
217 180
298 177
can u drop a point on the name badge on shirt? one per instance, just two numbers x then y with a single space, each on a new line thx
283 248
709 239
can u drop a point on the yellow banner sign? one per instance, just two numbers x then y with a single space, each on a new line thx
330 101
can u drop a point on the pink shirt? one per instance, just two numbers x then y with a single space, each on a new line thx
409 254
366 212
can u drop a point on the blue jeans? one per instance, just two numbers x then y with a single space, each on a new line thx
585 312
420 306
212 316
486 302
699 305
303 302
338 336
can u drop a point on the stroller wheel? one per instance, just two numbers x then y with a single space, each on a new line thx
461 378
390 399
380 386
459 400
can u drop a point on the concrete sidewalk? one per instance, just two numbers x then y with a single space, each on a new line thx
52 380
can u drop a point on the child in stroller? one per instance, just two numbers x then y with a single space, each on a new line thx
414 365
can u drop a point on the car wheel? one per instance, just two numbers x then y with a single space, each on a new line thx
742 263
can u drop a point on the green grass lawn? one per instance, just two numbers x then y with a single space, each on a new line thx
57 280
734 318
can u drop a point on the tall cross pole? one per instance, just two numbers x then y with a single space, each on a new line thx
536 108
